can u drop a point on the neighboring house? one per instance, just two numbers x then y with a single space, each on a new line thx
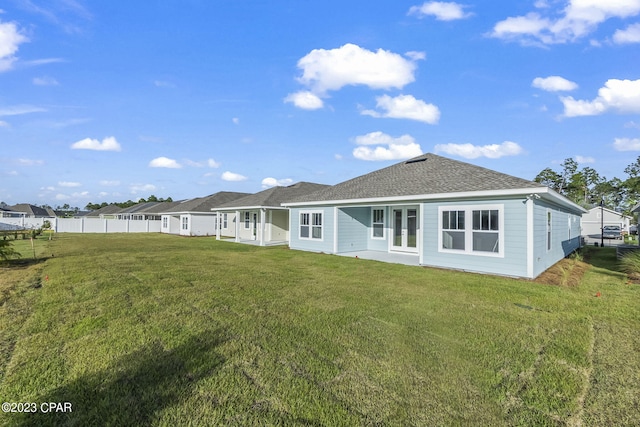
194 217
107 212
597 217
139 211
439 212
260 218
26 210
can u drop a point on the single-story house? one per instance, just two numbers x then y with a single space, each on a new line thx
260 218
597 217
106 212
26 210
435 211
194 217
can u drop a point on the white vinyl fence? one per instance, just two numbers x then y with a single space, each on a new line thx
89 225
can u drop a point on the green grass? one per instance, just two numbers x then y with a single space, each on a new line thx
163 330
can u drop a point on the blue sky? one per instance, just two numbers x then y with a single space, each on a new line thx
109 101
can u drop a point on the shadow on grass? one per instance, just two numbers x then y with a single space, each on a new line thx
135 388
604 258
22 262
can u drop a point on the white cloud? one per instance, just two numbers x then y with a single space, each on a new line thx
142 188
45 81
380 138
405 107
305 100
622 96
107 144
235 120
211 163
3 124
554 84
234 177
273 182
10 40
388 147
108 183
577 20
626 144
442 11
30 162
470 151
629 35
69 184
20 109
584 159
164 162
325 70
416 55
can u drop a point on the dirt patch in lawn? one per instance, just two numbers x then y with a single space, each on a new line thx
567 272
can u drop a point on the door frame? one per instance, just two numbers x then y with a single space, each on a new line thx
404 229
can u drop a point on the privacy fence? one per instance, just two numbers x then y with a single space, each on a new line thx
88 225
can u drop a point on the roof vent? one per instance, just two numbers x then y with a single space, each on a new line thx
415 161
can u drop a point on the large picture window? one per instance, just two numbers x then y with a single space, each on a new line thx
377 224
311 225
472 229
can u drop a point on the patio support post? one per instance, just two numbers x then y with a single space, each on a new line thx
219 226
237 226
262 226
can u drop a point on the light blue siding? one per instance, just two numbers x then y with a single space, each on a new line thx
565 235
353 228
514 260
314 245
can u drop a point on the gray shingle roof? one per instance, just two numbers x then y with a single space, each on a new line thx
422 175
32 210
107 210
274 196
205 204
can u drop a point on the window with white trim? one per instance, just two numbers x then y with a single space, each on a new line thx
225 221
165 222
548 230
377 223
311 225
453 232
185 222
472 229
486 232
247 220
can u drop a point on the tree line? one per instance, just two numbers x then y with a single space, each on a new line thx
588 188
95 206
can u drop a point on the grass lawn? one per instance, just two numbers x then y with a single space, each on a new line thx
162 330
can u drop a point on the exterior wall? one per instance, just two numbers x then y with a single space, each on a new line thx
279 220
592 221
512 262
565 235
249 233
230 229
313 245
202 225
353 229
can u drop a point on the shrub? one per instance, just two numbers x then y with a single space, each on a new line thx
6 251
630 264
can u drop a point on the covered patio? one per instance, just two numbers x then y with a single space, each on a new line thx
389 257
